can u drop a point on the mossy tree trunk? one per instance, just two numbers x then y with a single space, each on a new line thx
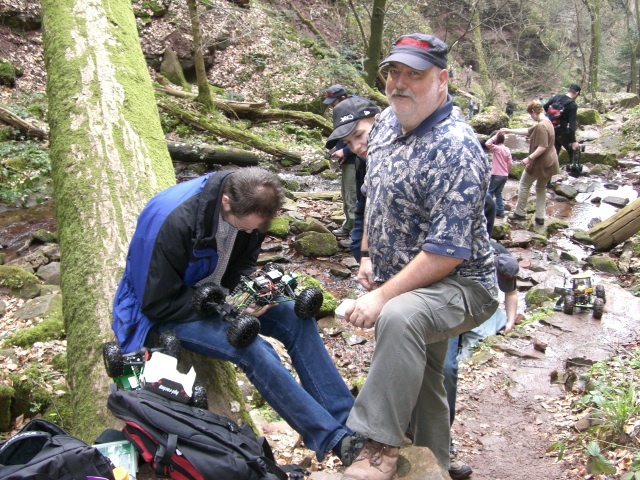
594 8
375 41
204 90
481 61
108 156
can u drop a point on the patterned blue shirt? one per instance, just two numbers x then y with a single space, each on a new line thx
425 191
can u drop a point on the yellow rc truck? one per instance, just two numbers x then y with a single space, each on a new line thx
581 294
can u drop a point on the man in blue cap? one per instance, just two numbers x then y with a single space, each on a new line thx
426 259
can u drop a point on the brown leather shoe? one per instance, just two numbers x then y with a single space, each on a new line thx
376 461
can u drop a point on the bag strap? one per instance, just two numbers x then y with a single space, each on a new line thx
162 457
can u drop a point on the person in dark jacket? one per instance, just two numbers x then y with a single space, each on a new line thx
565 130
210 229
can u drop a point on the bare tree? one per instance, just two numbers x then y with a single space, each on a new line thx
204 89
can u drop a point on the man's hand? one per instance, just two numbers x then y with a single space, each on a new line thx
256 310
508 328
366 309
338 155
575 145
365 274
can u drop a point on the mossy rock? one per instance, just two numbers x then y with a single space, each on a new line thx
516 170
7 73
582 236
329 175
536 297
51 328
310 225
501 230
588 116
44 236
603 264
6 397
319 166
29 397
489 120
20 283
291 185
279 227
316 244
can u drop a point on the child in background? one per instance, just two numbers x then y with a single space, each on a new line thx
501 164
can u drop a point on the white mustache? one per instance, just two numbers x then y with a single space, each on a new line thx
397 92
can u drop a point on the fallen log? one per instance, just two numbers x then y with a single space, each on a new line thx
225 131
258 112
617 228
8 117
211 154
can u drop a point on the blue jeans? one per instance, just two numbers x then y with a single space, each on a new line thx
318 409
495 189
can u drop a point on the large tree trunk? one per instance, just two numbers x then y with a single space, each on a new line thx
617 228
108 156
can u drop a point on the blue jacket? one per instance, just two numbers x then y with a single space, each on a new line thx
172 249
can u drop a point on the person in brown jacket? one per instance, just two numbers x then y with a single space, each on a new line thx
540 165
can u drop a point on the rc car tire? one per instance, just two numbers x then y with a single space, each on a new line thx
206 297
113 359
598 308
569 304
600 293
243 330
308 303
170 344
199 396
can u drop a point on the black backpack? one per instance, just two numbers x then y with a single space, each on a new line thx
44 451
189 443
556 108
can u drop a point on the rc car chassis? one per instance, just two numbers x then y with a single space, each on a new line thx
264 287
126 369
582 295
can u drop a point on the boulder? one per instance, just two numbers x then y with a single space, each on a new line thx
314 244
588 116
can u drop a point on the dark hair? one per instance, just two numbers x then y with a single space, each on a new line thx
499 138
253 190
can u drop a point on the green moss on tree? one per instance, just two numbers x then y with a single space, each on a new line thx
6 397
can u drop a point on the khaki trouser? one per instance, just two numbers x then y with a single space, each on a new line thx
405 383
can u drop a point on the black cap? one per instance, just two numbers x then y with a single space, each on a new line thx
346 116
574 87
507 269
419 51
334 92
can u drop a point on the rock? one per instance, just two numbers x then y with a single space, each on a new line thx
581 236
264 258
588 116
40 306
279 227
44 236
319 166
565 190
616 201
31 261
603 264
315 244
339 271
20 282
50 273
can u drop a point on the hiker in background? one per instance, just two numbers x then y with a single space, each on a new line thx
209 230
562 110
469 76
347 161
500 166
472 105
540 165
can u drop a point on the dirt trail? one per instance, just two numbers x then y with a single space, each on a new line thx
509 412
